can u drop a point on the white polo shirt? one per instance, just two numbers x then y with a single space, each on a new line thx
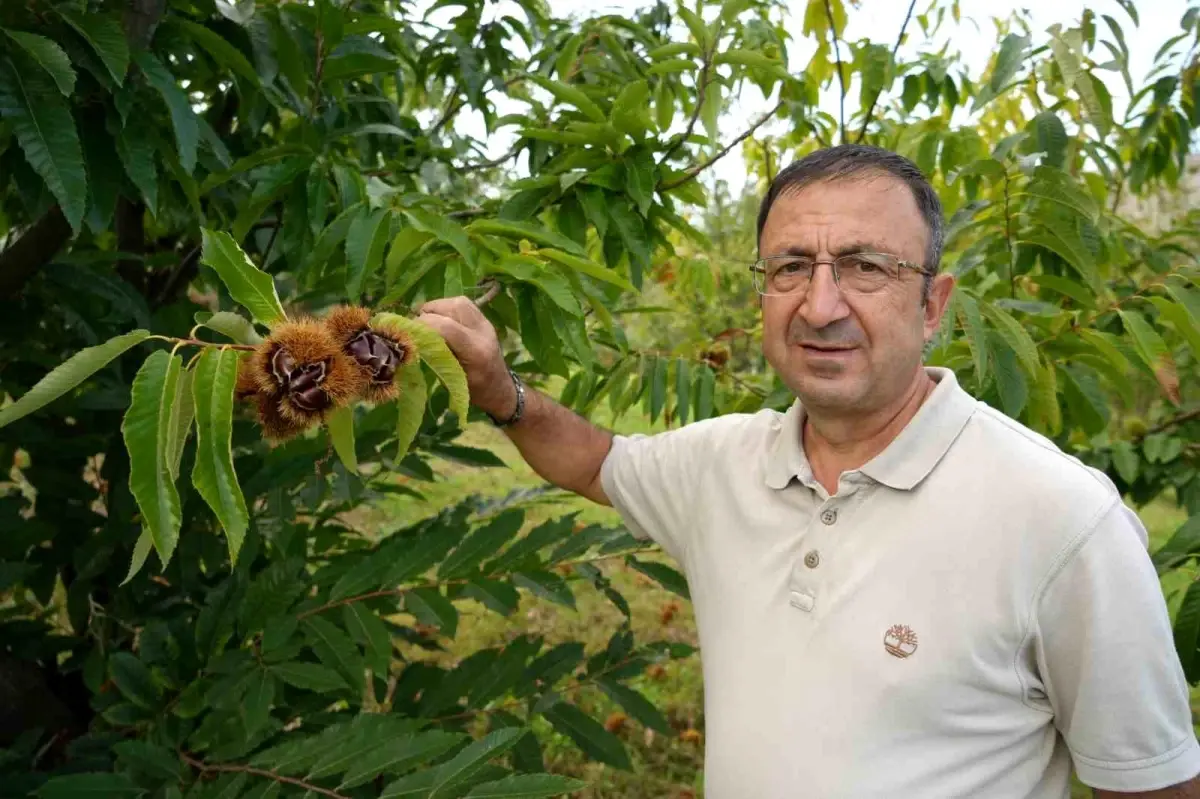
973 612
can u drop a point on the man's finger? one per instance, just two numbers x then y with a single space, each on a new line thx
457 335
460 309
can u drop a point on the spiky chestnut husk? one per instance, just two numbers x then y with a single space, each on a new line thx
377 352
304 373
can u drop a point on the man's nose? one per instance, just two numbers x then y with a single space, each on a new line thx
824 302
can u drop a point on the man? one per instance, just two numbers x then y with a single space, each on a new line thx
899 591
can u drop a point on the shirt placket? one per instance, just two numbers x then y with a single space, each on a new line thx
809 574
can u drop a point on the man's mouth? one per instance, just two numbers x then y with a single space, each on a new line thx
826 347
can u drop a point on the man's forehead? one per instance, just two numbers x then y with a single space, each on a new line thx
865 208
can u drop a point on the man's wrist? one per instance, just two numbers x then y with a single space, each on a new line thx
515 408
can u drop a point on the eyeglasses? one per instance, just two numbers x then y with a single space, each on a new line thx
856 273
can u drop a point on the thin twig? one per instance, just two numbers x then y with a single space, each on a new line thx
1012 257
696 170
490 294
701 92
316 92
271 244
1186 416
258 772
448 113
489 164
895 49
837 54
195 342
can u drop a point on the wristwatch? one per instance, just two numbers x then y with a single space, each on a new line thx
520 411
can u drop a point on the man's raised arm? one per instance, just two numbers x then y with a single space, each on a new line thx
559 445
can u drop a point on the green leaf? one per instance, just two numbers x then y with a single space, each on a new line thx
696 26
367 629
460 768
398 755
1011 384
571 96
671 66
82 786
635 704
249 286
410 406
661 573
183 118
972 323
136 151
1017 337
1008 60
527 786
46 131
526 548
658 388
588 267
673 50
433 351
1126 461
1149 345
446 230
365 243
704 388
640 179
629 109
1051 137
141 550
49 56
710 112
406 242
182 412
525 230
213 474
430 607
335 649
257 703
1068 288
1067 245
748 58
103 32
69 374
1183 544
632 231
356 65
482 544
224 53
494 594
589 735
149 759
1187 633
134 680
146 430
233 325
683 384
309 676
341 431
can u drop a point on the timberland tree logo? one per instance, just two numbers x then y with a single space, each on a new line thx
900 640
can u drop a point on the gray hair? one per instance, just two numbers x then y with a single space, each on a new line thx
848 161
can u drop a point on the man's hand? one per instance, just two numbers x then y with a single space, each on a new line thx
473 341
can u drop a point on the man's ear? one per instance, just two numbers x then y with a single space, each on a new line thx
937 302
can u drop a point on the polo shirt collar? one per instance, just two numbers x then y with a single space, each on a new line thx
906 461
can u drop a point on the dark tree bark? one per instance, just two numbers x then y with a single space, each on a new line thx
33 250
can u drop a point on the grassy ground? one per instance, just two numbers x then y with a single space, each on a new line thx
664 766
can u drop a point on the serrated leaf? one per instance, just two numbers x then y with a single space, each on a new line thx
104 34
309 676
183 118
632 232
976 333
1183 544
406 242
46 131
662 574
147 758
249 286
571 96
1008 60
335 649
658 387
526 230
472 758
638 706
146 431
1187 633
69 374
1125 460
1017 337
233 325
430 607
141 550
587 267
340 422
180 424
397 756
256 705
134 680
224 53
710 112
695 26
683 386
589 735
629 109
496 595
1051 137
1067 245
640 179
433 351
481 544
410 406
704 388
49 57
504 672
365 242
136 151
547 585
1153 351
526 548
368 629
445 229
82 786
213 474
527 786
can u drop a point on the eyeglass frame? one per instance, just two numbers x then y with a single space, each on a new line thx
837 280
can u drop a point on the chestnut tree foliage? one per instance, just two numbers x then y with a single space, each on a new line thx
187 611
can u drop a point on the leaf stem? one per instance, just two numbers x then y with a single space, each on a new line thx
1012 257
1186 416
701 92
195 342
862 132
696 170
258 772
837 54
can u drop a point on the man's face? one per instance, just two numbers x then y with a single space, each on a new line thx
839 353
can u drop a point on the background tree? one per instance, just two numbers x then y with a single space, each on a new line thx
189 608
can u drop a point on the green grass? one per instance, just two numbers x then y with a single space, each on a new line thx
664 766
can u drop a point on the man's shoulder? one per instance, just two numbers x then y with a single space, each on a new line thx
717 434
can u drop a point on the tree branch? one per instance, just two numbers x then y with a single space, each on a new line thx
258 772
837 54
1186 416
696 170
180 274
701 91
895 49
33 250
489 164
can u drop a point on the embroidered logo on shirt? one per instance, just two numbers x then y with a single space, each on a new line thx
900 640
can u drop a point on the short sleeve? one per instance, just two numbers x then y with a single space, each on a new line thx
653 482
1109 666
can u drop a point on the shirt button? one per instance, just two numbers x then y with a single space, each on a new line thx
812 559
829 516
802 601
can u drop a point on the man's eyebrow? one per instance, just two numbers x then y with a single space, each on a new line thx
846 249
